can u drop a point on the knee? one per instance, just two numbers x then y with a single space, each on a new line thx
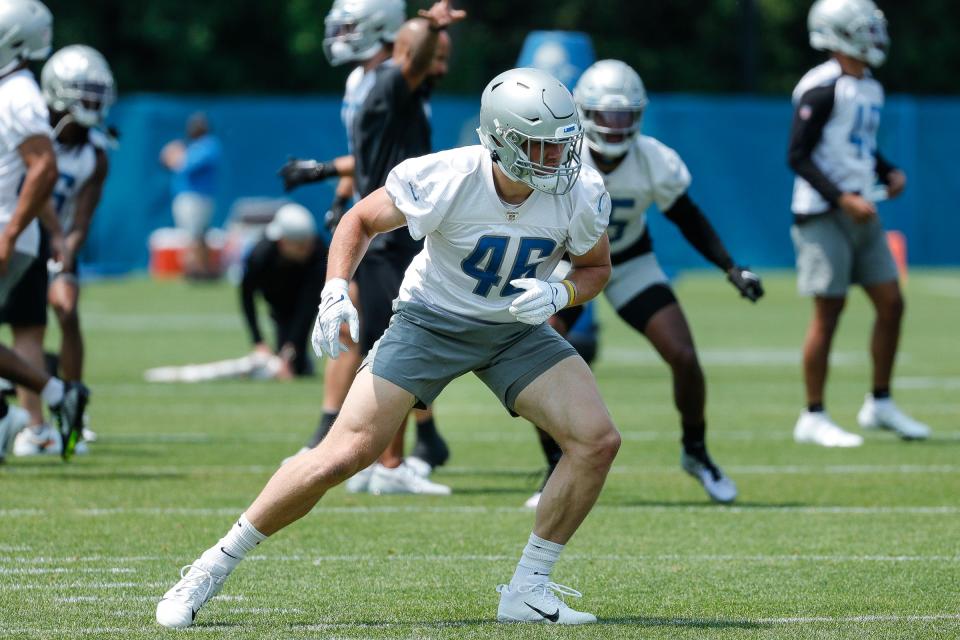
600 450
684 360
336 462
67 316
891 310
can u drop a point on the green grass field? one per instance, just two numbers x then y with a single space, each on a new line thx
861 543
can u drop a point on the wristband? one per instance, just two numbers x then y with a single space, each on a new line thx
571 291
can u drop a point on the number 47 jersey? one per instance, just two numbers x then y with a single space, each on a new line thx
475 243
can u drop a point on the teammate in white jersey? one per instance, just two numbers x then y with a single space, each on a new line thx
28 171
496 218
639 171
78 87
838 237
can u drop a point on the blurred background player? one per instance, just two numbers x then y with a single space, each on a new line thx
195 165
361 33
639 171
287 267
28 172
838 237
78 87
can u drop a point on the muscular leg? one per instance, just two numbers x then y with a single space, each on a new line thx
668 332
816 346
888 303
367 422
28 343
566 403
64 297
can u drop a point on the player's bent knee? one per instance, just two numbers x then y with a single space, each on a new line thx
598 451
684 358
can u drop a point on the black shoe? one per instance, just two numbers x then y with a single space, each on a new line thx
68 416
433 451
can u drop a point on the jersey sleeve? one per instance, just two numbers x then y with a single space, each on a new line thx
421 189
591 213
669 176
27 116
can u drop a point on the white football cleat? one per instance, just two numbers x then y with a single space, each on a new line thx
884 414
817 428
533 501
88 434
718 486
542 602
12 424
179 606
360 481
403 479
419 466
45 441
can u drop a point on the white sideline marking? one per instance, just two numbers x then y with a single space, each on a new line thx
39 571
731 357
859 619
920 382
79 599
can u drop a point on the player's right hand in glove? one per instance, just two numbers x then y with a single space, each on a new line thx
335 309
747 283
337 208
296 172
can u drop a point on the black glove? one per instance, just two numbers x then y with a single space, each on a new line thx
337 208
747 283
296 172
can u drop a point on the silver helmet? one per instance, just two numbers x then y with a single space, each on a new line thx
356 29
611 98
26 29
77 80
856 28
529 122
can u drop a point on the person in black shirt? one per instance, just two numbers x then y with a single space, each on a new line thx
287 268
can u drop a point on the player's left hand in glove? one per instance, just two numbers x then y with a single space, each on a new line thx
337 208
747 283
296 172
540 300
335 309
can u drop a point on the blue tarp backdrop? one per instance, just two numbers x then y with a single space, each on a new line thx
735 148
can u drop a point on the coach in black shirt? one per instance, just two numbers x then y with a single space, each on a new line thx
287 268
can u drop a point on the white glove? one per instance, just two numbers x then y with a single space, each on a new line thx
541 300
335 309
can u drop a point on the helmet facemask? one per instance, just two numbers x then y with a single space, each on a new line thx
87 102
548 164
610 130
345 41
868 37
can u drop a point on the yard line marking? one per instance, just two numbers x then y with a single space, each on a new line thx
857 619
42 570
28 586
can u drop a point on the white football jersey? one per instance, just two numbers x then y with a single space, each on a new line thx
76 164
23 114
475 244
845 153
651 172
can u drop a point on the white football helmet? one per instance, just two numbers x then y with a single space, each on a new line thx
77 80
856 28
611 98
529 122
356 29
26 29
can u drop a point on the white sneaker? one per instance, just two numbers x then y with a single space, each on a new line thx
419 466
533 501
818 428
403 479
541 602
88 434
718 486
46 441
289 458
179 606
360 481
884 414
11 426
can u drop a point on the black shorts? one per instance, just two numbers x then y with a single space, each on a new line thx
378 277
27 304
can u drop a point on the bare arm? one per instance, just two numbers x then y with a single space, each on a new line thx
590 271
41 163
87 201
374 214
415 65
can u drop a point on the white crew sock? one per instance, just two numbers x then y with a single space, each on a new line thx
536 562
233 547
52 393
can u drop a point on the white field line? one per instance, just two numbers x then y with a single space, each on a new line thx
43 570
944 510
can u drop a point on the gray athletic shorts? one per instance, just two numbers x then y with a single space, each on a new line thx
834 252
424 349
16 267
631 278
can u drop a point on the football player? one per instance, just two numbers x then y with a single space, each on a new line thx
79 90
497 218
838 237
639 171
28 172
